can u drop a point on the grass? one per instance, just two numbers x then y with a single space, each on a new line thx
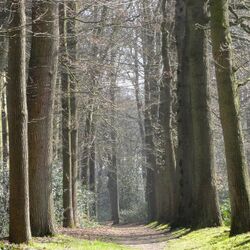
64 242
208 239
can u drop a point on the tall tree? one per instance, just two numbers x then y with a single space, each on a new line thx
228 90
40 93
205 207
184 123
166 170
19 227
112 175
151 107
72 52
68 220
195 160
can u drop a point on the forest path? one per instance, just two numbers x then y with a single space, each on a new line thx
135 236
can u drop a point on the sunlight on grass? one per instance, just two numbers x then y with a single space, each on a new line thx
65 242
157 226
162 227
210 238
153 224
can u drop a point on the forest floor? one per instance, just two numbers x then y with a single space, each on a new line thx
152 237
134 236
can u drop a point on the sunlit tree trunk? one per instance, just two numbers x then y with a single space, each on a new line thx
151 109
166 169
238 176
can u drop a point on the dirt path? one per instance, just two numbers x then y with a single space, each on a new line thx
136 236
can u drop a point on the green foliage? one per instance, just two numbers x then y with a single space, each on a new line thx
209 238
82 197
226 212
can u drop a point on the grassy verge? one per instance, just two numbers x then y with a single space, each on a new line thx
61 242
210 238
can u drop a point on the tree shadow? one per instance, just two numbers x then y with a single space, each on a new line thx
128 234
243 243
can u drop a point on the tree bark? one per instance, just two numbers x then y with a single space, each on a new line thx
72 47
19 225
92 166
68 220
166 172
184 123
40 92
205 201
151 110
195 163
238 176
112 175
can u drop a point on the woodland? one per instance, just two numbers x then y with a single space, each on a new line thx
125 124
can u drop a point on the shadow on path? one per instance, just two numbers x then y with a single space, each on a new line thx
136 236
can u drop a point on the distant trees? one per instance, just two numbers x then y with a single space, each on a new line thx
19 227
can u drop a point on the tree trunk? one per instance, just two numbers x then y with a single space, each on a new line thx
150 113
66 136
72 47
40 92
205 201
139 106
92 167
112 175
88 166
166 173
238 176
19 225
195 164
184 123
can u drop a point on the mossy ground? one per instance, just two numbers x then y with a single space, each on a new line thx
209 238
61 242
